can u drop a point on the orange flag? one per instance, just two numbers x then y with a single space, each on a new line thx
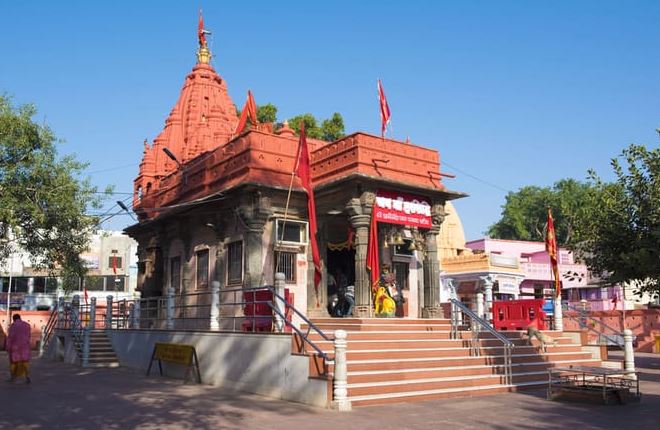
201 33
303 171
551 248
384 110
249 111
373 263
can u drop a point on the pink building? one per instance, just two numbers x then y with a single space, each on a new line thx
576 283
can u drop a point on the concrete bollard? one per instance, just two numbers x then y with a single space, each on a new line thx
169 321
279 303
75 310
85 347
60 312
136 314
488 296
559 320
42 341
92 313
628 353
480 305
108 312
340 395
214 324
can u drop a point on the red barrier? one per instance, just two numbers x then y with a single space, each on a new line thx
258 314
519 314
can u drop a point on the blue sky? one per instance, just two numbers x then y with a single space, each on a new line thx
511 93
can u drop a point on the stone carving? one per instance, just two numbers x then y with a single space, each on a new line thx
438 214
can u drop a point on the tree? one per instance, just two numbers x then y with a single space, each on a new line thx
524 215
267 113
333 128
330 130
42 200
622 237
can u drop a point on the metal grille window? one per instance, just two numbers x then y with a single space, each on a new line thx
286 263
202 269
175 273
235 263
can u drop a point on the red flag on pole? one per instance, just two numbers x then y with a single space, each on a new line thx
303 172
85 295
551 248
373 263
249 111
384 110
201 34
114 264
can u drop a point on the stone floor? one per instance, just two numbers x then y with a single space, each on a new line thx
68 397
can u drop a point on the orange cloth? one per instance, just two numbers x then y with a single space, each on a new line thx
19 369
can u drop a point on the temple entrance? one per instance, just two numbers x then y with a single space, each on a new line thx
341 274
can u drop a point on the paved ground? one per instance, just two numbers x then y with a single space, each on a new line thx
68 397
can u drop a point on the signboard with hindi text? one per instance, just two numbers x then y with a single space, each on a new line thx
399 208
178 354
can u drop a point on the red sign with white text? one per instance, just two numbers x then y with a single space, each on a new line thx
397 208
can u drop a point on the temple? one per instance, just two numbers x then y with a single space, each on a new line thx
212 206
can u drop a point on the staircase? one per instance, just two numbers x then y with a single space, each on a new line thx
101 353
397 360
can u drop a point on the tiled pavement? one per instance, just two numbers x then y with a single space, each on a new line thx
68 397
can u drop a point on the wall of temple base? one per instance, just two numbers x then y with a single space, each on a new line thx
256 363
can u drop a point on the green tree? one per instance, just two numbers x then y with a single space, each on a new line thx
42 200
330 129
525 213
333 128
267 113
623 231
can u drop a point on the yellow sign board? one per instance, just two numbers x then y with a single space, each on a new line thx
174 353
177 354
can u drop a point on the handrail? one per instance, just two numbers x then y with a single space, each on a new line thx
310 325
48 328
76 327
615 338
477 324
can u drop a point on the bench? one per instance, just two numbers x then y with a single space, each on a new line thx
610 385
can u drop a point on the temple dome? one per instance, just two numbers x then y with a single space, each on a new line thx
451 239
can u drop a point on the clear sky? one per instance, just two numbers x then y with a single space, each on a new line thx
511 93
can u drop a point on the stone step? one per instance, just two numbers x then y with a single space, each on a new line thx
381 321
448 371
108 364
413 396
351 327
374 354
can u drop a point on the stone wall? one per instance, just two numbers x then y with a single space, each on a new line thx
256 363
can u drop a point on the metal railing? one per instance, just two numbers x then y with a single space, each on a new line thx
586 321
47 330
476 326
75 325
254 310
310 325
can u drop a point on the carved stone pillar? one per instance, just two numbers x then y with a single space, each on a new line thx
254 213
432 275
360 218
431 297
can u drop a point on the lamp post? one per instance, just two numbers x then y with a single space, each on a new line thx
172 157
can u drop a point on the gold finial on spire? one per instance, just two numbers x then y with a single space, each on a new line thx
203 53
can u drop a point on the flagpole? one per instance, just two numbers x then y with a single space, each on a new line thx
286 207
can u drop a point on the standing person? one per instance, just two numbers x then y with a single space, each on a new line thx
18 347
